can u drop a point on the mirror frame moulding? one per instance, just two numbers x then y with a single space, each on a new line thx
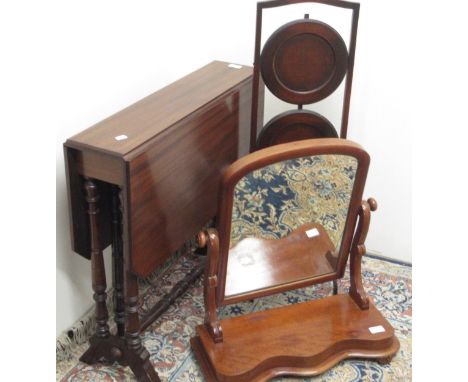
271 155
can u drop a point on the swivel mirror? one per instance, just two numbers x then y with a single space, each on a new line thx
288 218
301 202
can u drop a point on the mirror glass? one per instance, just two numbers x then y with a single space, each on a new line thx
288 221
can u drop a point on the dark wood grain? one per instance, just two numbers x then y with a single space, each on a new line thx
174 182
180 139
154 114
98 165
302 339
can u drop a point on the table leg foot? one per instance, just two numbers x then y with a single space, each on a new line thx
141 366
114 349
106 351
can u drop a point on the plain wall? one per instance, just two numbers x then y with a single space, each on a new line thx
110 54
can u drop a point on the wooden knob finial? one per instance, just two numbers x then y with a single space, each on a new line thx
372 204
201 239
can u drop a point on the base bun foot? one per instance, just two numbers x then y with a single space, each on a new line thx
385 360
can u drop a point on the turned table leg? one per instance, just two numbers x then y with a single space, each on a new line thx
97 261
117 263
98 275
138 357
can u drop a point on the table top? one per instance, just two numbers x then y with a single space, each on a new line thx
150 116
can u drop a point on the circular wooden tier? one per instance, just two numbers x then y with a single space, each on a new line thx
295 125
304 61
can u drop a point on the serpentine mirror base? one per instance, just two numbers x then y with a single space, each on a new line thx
303 339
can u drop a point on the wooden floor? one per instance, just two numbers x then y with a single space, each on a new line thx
301 339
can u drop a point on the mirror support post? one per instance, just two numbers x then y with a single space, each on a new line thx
358 249
210 238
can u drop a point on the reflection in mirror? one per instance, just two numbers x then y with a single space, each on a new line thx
288 220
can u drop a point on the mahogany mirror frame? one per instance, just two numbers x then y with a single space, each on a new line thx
265 157
257 82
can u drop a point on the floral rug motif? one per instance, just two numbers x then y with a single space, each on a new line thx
168 338
274 200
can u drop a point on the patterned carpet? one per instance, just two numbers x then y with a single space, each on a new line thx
167 339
